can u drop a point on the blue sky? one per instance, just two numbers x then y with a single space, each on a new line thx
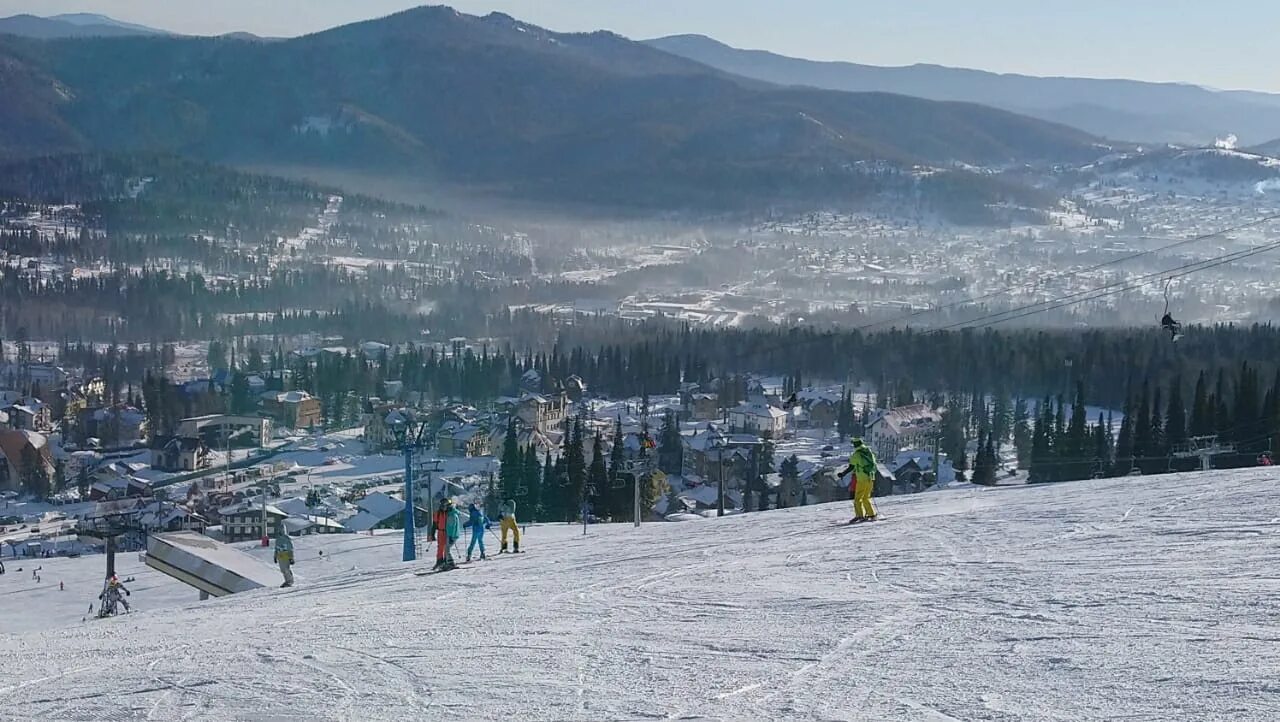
1225 44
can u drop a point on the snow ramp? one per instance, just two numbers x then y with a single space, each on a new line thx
208 565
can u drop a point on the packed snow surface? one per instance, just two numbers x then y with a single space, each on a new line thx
1140 598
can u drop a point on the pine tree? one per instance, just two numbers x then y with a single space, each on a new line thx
1101 447
845 421
670 445
1022 434
1124 460
531 488
548 491
598 481
576 470
1075 455
1037 469
1157 448
952 441
1175 421
1142 446
1001 419
1201 412
790 473
511 473
619 489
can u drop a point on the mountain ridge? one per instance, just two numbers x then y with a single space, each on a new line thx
1115 108
73 25
497 103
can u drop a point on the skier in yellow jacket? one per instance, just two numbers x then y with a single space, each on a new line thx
862 463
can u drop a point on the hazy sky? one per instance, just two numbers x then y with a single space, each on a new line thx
1225 44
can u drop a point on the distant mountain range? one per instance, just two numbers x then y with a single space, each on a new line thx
75 25
1271 148
1118 109
507 107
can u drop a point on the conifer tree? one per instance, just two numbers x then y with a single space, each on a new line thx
1175 421
532 473
598 481
1124 442
670 445
1022 433
1201 412
511 473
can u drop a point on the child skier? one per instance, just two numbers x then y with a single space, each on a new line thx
284 555
862 463
508 523
477 523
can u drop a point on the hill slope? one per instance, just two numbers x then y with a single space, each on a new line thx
501 105
1127 109
76 25
1088 601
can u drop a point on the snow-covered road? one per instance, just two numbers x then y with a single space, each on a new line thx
1152 599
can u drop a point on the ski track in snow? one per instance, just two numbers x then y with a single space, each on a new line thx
1153 598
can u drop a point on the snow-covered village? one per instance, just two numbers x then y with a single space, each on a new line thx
849 361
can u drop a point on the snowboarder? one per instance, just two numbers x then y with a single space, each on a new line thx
508 523
284 555
1173 327
477 523
862 464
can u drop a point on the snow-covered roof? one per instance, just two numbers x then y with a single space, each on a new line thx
759 410
248 506
381 505
902 418
287 397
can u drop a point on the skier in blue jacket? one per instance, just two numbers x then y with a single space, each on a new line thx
477 522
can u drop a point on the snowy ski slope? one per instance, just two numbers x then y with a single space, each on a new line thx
1141 598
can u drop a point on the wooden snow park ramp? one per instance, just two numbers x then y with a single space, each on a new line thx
210 566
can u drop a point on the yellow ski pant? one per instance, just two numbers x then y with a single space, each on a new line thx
509 523
862 489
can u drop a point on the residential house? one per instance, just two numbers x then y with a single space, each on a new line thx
30 414
911 467
179 453
525 435
823 413
23 452
699 406
544 413
905 427
243 521
118 425
709 453
463 440
575 388
31 378
380 511
294 409
380 429
757 418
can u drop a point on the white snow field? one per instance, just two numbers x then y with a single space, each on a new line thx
1151 598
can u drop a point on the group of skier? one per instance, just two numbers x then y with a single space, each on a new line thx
448 522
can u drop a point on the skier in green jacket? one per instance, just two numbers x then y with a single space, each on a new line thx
862 463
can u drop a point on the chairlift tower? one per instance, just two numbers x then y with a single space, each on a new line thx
410 440
1204 448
